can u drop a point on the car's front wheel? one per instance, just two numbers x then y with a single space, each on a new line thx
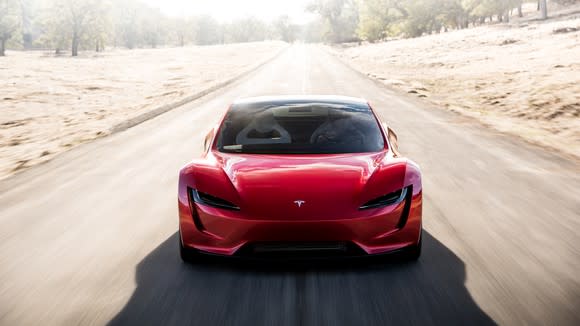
413 253
187 255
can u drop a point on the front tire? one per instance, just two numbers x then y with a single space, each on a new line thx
414 253
187 255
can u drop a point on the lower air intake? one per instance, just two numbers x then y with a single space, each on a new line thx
300 249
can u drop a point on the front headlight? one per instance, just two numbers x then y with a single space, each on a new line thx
392 198
209 200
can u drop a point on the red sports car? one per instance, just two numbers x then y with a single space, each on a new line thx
314 176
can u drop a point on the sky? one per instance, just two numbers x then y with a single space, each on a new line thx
227 10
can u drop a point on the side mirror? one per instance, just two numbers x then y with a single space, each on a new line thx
207 140
393 141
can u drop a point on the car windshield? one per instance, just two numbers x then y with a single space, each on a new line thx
300 128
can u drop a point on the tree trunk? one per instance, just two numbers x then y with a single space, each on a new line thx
27 41
543 9
2 47
520 14
75 45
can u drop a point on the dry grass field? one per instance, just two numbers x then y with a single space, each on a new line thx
522 78
49 104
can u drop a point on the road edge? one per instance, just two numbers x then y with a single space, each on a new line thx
145 116
556 151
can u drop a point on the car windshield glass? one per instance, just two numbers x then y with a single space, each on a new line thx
300 128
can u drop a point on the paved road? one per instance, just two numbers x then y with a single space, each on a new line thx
90 237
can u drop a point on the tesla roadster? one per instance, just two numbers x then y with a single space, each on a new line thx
313 176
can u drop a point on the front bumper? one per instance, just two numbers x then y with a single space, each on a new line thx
221 232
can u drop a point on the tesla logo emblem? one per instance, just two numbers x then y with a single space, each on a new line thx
299 202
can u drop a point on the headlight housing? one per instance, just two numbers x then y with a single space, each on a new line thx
392 198
209 200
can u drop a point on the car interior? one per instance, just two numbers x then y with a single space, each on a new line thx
316 128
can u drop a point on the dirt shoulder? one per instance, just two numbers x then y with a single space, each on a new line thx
523 80
51 104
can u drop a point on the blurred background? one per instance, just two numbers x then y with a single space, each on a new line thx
102 101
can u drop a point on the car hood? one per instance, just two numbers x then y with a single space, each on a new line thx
302 187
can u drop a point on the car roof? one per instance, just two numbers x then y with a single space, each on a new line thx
302 99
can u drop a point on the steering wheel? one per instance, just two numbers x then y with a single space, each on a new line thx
334 132
264 122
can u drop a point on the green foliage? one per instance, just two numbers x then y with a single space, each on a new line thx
9 21
153 27
284 29
485 8
248 29
93 24
566 2
9 17
99 26
75 24
312 32
184 28
339 19
422 17
374 19
72 25
411 18
208 31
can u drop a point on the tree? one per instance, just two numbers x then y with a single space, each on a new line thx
565 2
72 21
153 27
9 22
26 9
543 9
247 29
422 17
183 30
339 17
374 19
208 31
285 30
100 25
478 10
125 20
312 32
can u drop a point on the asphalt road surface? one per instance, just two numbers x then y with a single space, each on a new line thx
90 237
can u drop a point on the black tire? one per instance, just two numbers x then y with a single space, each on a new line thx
414 253
187 255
